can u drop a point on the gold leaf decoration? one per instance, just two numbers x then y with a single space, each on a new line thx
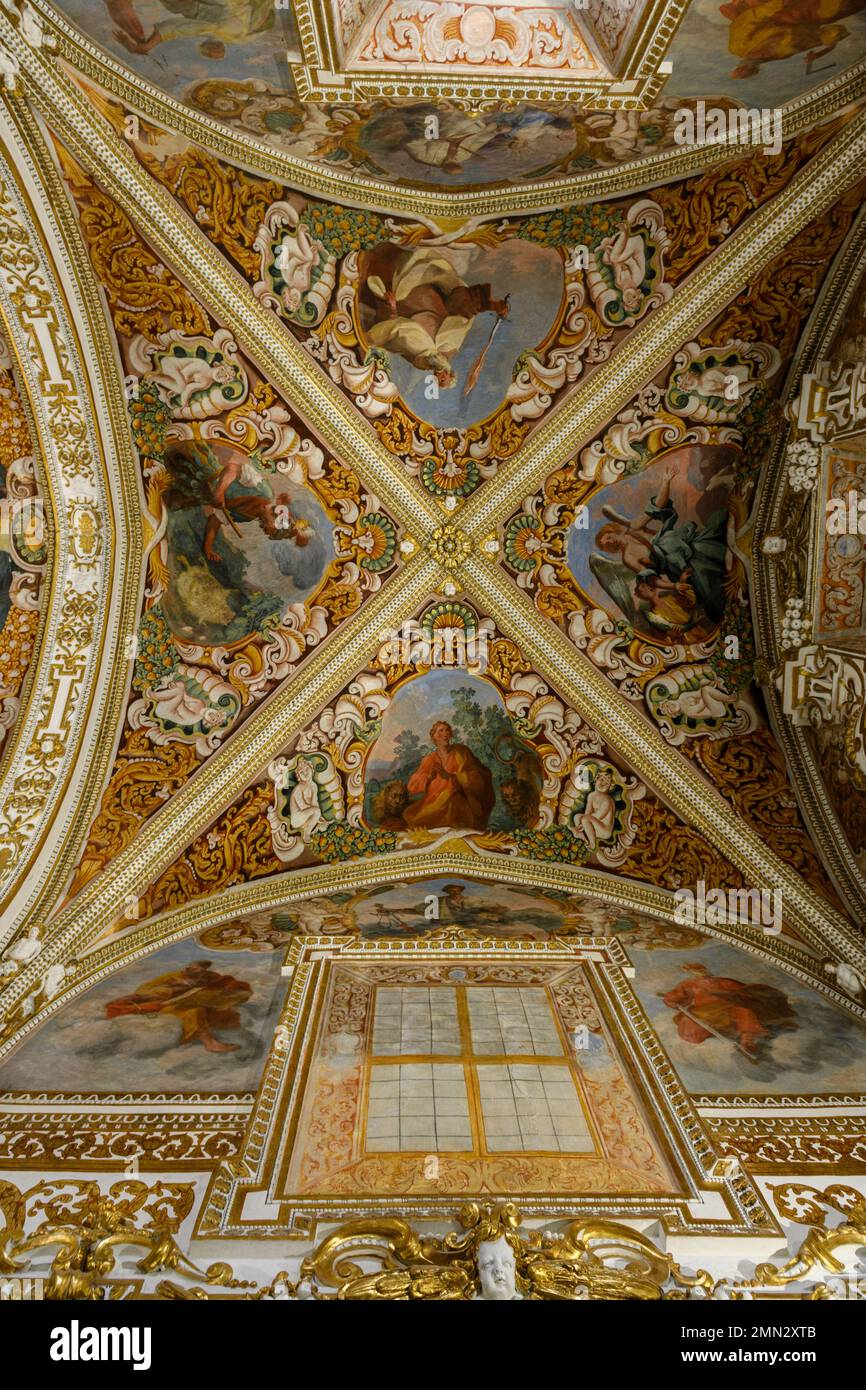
776 302
145 775
236 849
140 289
701 212
750 773
668 853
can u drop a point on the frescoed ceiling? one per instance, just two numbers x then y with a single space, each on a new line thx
352 89
99 1043
413 541
361 436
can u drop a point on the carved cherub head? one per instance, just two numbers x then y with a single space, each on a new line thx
492 1239
497 1270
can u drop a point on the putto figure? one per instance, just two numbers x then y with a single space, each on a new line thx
597 821
497 1271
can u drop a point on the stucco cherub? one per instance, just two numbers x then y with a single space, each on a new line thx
497 1271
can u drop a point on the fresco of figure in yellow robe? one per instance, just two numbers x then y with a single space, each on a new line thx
765 31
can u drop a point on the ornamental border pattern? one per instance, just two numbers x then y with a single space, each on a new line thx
55 1140
9 746
69 681
320 48
789 1101
803 1143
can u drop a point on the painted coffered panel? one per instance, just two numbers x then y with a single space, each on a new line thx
174 1043
435 775
537 50
415 757
347 17
454 345
584 548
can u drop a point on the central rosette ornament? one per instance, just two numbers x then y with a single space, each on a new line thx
449 546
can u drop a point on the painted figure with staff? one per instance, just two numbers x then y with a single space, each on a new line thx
747 1014
415 304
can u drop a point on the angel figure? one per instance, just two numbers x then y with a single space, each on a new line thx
663 573
497 1271
716 382
849 980
597 821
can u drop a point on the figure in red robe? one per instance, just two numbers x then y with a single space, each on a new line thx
197 996
455 789
748 1014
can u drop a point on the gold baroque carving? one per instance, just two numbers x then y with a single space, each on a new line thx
141 292
87 1229
774 304
708 207
750 772
591 1259
119 1139
670 854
